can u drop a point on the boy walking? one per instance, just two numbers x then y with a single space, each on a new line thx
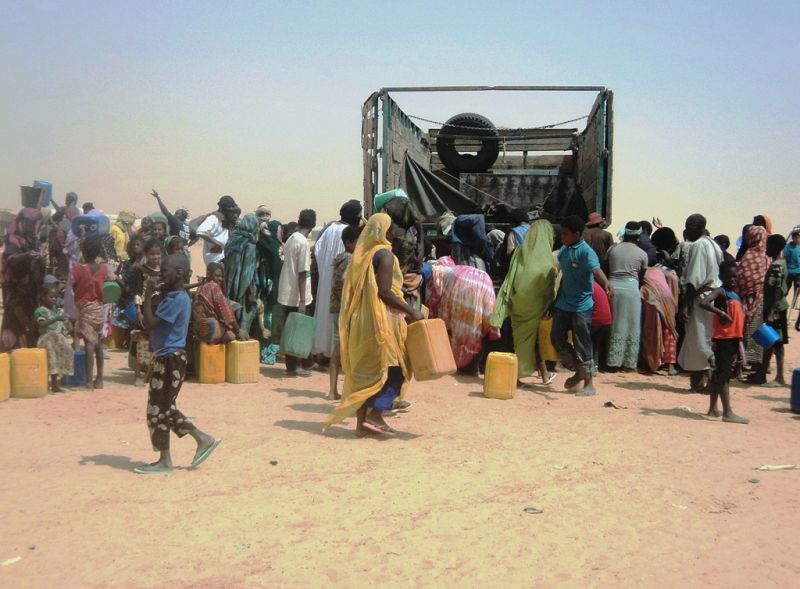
580 267
728 325
169 324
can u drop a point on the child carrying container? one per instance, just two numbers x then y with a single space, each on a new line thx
726 307
169 324
88 279
52 324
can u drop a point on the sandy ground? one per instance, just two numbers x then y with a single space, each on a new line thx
639 496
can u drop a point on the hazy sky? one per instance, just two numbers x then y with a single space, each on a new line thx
262 100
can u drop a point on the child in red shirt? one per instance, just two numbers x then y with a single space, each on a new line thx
88 279
601 324
728 331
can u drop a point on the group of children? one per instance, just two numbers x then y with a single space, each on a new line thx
156 301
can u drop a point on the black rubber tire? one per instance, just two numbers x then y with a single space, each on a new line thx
465 162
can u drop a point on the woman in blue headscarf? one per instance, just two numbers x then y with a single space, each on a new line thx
241 266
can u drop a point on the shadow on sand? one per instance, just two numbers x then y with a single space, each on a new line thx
315 427
643 387
301 393
683 412
312 408
110 460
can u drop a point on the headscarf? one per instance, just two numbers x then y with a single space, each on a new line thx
159 218
381 199
370 334
528 291
125 219
350 212
240 258
752 270
23 234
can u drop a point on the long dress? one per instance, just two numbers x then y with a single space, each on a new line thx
269 271
463 297
750 287
23 272
241 265
328 246
372 336
702 273
658 328
527 293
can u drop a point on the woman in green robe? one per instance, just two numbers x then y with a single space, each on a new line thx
527 293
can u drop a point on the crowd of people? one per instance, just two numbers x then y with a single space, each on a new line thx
568 296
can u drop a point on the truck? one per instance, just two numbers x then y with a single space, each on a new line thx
467 165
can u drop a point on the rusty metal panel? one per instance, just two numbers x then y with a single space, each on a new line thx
524 189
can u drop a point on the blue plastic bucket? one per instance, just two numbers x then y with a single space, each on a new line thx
78 376
766 336
794 400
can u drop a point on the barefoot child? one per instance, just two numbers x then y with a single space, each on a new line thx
726 307
53 336
88 279
169 324
349 237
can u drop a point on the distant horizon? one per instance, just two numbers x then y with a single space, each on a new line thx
199 100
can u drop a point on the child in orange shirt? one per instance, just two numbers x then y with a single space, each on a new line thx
728 332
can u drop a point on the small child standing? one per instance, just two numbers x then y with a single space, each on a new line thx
349 237
776 308
726 307
53 336
88 279
149 267
169 324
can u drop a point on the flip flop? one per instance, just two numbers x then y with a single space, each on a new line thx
374 428
201 456
550 379
387 429
151 469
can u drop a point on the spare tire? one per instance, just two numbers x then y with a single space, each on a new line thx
463 125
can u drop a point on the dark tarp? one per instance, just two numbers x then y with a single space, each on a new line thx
430 197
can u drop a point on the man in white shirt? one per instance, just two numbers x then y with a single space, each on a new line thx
294 286
214 229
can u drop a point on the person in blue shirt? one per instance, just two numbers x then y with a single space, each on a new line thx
572 311
169 325
792 254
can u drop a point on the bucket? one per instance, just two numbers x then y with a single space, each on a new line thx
111 292
794 401
766 336
31 197
78 376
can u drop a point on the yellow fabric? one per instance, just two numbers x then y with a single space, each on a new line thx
372 337
120 241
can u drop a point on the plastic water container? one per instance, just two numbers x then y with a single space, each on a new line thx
242 362
546 348
500 379
297 337
211 363
29 373
90 225
78 376
118 338
794 400
428 347
5 377
47 191
111 292
766 336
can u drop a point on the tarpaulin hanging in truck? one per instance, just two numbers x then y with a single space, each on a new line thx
431 196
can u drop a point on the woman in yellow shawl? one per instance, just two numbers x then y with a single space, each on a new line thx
526 295
372 331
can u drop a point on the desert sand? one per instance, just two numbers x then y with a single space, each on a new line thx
645 495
